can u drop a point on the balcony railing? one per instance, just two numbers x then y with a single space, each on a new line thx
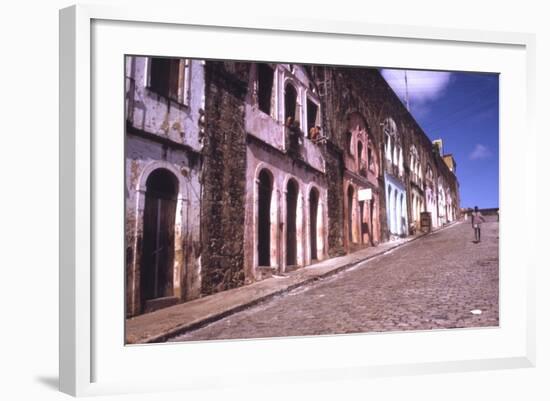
299 147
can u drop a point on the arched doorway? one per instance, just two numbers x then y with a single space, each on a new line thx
402 216
313 211
159 218
389 215
372 239
265 189
291 238
396 213
350 213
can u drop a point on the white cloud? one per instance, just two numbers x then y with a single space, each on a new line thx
480 152
423 86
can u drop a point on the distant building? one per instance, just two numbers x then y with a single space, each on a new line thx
450 162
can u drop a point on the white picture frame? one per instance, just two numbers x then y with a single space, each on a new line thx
82 345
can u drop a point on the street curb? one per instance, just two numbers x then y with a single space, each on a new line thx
187 327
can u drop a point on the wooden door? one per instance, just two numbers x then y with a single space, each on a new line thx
158 236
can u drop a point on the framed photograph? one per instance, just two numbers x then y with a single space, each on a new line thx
285 197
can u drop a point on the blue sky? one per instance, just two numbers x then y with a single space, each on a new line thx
462 109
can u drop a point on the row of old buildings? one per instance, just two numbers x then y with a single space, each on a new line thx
236 171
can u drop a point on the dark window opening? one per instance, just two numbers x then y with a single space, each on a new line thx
369 159
350 214
312 114
360 156
313 206
291 115
348 141
165 78
291 239
265 87
371 222
363 226
264 221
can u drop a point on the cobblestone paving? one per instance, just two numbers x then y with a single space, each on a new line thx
432 283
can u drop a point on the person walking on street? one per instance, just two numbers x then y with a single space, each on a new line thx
477 219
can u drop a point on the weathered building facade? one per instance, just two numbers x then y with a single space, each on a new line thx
285 208
164 116
237 171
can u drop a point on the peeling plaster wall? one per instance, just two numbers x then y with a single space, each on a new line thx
270 128
282 168
160 116
162 135
142 157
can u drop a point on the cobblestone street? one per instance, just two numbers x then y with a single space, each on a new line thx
432 283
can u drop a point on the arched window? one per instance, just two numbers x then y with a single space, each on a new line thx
349 137
291 105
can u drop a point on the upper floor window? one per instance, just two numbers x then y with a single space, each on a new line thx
291 106
388 145
312 115
393 151
370 159
360 156
390 128
265 87
429 173
349 137
169 77
414 165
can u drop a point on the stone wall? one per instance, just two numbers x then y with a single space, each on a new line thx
224 174
335 199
